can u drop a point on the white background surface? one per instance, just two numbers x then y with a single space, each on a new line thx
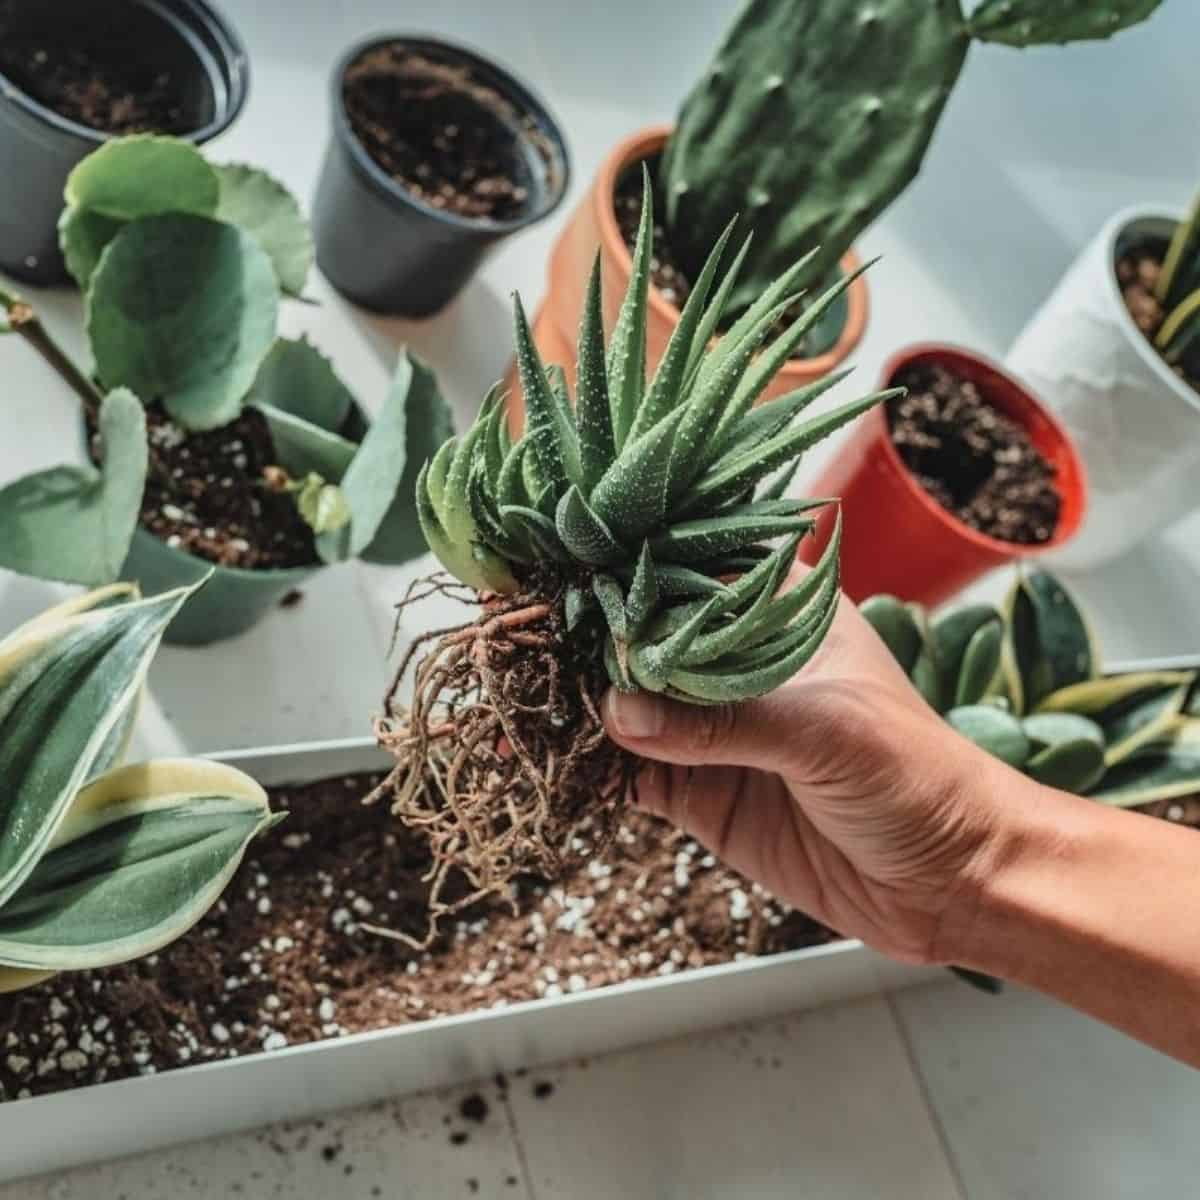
1023 1099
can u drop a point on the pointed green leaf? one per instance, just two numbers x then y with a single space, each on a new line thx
64 687
627 350
711 320
1163 769
612 603
75 524
576 605
254 201
711 537
584 534
538 528
597 448
547 426
643 599
631 498
679 583
183 308
141 856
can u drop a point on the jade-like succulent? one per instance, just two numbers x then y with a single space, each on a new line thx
100 864
645 498
183 265
1178 291
814 117
1026 684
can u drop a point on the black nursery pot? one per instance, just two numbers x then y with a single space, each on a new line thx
387 249
182 47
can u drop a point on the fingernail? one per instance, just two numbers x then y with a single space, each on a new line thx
635 714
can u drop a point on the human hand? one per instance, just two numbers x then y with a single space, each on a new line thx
841 793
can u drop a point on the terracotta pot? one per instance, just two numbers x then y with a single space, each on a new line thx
593 224
896 537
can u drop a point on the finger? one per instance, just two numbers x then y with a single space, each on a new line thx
751 734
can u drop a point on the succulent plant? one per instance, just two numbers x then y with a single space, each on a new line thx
183 265
1026 684
1178 291
100 864
813 117
646 498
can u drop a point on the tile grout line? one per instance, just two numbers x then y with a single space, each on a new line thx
931 1110
519 1147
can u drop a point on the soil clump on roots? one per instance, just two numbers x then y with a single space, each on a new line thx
502 759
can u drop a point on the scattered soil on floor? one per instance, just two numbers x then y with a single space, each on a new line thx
971 458
1137 274
101 87
284 958
666 274
443 133
210 494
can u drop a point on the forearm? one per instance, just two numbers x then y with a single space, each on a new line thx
1100 909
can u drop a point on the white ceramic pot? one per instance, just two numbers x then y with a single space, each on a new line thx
1135 422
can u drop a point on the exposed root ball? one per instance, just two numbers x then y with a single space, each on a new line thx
501 757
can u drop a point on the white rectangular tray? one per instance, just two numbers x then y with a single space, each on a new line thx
133 1115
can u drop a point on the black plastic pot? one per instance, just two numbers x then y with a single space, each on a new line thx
385 249
38 147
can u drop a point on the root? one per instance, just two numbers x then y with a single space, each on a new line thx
502 759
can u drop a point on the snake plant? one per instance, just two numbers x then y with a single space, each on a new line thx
100 864
642 498
1026 684
183 266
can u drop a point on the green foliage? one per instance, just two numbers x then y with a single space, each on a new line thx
183 265
1026 685
642 497
812 118
99 866
1178 291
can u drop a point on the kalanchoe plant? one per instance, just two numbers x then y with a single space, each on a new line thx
100 864
814 117
1026 684
183 265
639 536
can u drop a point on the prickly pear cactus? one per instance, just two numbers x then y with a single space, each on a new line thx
811 119
814 117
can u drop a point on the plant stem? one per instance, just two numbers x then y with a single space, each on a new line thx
25 321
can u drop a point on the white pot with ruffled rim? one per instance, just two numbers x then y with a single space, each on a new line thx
1134 420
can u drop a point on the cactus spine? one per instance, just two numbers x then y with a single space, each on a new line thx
814 117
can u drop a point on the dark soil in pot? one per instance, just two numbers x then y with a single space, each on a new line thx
973 460
212 495
92 79
442 132
672 281
1138 270
284 957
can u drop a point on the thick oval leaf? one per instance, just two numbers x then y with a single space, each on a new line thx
144 176
74 524
1163 769
254 201
953 632
296 378
82 236
1054 729
183 308
1036 22
64 687
1070 766
896 625
142 855
997 732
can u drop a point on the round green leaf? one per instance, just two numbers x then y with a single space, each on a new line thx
992 729
144 176
263 207
183 308
1071 766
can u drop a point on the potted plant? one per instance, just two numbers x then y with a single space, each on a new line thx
1113 350
74 74
636 536
101 864
212 441
436 155
810 121
965 472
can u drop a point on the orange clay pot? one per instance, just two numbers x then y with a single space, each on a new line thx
594 223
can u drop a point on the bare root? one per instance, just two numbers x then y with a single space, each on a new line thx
502 759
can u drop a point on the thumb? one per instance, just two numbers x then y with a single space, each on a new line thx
754 733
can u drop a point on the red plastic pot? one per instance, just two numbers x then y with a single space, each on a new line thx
896 538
